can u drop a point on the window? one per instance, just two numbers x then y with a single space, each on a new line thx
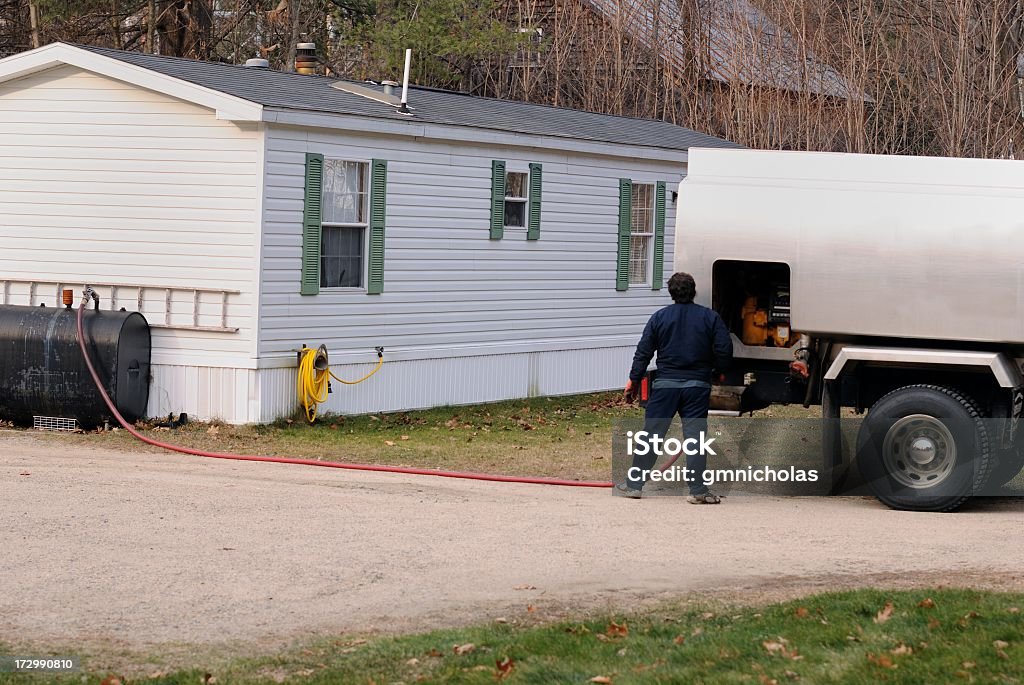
515 199
344 223
641 236
528 53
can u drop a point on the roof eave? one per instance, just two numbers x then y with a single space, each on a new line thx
405 126
227 107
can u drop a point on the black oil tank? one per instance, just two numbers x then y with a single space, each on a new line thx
42 372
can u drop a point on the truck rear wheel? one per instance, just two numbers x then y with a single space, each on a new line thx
924 448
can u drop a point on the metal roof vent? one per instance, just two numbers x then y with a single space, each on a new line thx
258 63
389 87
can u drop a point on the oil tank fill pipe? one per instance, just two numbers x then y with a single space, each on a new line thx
89 293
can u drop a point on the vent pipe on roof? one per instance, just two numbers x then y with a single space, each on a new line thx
305 58
257 63
404 109
389 87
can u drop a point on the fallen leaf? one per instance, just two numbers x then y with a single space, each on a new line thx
1000 644
706 615
774 646
616 630
601 637
802 612
208 679
389 443
765 680
621 652
404 437
902 650
601 680
882 661
968 664
464 649
792 675
413 662
926 603
885 614
1014 610
112 680
524 587
504 667
933 623
679 639
213 430
530 608
157 674
435 653
501 619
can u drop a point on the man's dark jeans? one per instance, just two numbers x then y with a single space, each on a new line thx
691 404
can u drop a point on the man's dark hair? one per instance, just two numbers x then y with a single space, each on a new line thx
682 288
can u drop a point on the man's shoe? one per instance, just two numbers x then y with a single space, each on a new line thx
705 498
623 490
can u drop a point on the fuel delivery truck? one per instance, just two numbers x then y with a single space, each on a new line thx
890 285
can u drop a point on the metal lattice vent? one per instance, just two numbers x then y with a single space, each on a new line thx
54 423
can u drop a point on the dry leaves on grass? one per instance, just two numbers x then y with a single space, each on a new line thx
467 648
601 680
503 668
780 647
616 630
885 614
926 603
881 660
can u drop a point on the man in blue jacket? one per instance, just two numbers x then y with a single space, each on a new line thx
690 341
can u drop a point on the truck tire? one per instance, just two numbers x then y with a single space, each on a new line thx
924 448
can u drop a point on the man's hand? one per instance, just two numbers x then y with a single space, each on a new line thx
631 391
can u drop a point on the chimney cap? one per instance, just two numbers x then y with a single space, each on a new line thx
258 63
305 46
393 84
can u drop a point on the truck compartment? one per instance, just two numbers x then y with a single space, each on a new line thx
753 300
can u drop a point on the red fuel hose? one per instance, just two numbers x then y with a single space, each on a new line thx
304 462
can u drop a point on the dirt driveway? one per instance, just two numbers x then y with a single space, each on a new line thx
141 549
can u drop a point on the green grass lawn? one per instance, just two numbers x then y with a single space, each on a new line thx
564 437
865 636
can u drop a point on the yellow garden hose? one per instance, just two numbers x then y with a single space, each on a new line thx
315 376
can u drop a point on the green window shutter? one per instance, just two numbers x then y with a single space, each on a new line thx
497 199
378 209
533 224
658 272
625 230
311 224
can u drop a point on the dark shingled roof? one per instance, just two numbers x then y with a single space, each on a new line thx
283 90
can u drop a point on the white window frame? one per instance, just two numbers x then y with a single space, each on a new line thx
364 225
524 201
648 235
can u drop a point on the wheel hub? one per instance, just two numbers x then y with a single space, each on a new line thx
919 451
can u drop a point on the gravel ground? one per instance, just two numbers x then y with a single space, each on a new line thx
149 552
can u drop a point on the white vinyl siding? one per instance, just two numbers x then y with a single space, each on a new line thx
451 291
104 182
